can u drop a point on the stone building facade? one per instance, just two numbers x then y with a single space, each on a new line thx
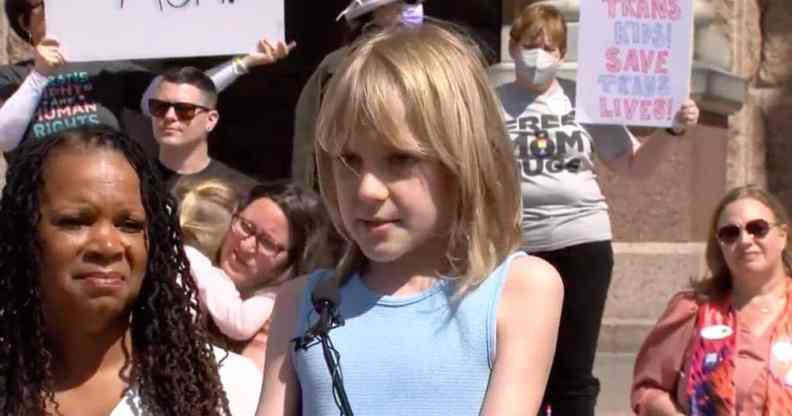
741 80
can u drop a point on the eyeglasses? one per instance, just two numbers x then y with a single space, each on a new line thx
758 228
184 111
264 243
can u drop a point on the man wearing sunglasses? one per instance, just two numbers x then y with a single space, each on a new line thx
183 113
54 95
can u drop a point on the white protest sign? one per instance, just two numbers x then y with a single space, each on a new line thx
103 30
634 61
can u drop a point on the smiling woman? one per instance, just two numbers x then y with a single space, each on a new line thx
735 327
280 232
92 303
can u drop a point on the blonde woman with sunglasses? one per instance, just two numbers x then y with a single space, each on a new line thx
725 347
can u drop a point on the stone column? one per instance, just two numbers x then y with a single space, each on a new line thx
746 154
772 89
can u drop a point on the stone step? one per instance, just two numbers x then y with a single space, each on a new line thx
645 277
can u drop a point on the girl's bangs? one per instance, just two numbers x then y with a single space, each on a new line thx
371 103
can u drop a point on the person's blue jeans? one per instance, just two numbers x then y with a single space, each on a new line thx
586 272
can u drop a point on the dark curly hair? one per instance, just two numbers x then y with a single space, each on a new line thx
172 365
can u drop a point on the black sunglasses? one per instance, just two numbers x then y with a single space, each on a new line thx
758 228
184 111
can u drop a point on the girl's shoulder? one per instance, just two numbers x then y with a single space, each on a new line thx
530 281
531 274
292 293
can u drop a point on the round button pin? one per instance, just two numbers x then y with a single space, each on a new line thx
716 332
782 351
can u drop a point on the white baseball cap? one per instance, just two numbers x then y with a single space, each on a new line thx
358 8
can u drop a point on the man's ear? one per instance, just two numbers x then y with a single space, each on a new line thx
213 117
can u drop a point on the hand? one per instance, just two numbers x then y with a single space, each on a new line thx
266 53
47 57
687 115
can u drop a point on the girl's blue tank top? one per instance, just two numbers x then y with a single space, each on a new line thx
428 354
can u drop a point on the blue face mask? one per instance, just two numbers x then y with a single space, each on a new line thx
412 14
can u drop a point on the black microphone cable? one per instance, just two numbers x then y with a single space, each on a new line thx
329 319
332 359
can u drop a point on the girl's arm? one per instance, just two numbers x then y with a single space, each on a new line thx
280 391
527 327
648 154
237 318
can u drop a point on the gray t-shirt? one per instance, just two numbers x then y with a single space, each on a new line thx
562 201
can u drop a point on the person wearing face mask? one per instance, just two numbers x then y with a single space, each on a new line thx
361 16
565 216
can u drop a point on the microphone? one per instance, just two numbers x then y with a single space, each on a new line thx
325 299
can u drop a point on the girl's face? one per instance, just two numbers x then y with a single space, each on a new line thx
393 202
255 250
750 238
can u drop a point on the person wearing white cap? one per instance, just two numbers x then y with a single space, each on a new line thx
360 16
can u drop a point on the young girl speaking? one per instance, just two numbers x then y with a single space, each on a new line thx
441 315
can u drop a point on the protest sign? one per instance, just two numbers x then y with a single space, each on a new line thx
93 30
634 61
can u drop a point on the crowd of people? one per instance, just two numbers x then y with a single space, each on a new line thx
444 267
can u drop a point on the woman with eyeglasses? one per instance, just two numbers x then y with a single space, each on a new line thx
725 347
281 231
55 95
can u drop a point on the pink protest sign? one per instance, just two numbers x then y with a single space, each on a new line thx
634 61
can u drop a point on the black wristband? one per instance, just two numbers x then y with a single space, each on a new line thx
673 132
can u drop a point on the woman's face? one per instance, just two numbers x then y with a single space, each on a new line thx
36 25
540 41
92 233
255 250
755 246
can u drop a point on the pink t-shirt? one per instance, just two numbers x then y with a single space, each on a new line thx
661 365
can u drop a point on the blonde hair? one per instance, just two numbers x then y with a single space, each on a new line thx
455 117
206 209
537 18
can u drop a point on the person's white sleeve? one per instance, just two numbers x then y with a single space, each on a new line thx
18 111
237 318
222 76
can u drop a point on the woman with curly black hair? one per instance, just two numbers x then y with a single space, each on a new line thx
96 315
